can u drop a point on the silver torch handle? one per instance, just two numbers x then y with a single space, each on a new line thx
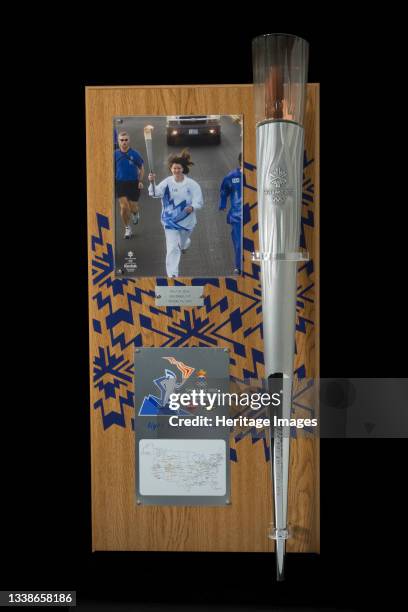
148 129
280 67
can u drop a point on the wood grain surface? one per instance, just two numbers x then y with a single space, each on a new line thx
118 523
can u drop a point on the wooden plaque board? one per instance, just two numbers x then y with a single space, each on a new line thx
123 315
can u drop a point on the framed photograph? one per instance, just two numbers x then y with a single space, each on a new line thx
178 195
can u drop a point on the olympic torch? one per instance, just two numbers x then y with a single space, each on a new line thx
280 74
148 129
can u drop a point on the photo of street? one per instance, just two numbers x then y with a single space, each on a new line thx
140 246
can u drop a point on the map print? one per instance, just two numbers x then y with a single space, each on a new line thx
182 467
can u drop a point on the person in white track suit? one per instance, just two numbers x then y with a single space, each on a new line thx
181 196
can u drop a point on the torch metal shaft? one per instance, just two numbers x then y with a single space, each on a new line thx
149 148
279 171
280 73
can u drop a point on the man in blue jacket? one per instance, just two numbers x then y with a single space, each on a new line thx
231 187
129 172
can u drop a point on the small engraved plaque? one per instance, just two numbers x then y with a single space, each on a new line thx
178 295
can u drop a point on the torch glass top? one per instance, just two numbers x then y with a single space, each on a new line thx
280 74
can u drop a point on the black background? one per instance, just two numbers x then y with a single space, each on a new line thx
46 512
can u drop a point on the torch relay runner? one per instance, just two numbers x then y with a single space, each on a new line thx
181 197
129 171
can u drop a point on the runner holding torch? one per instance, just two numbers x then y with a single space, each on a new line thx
280 73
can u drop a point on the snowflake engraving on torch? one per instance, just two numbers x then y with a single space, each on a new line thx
278 190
